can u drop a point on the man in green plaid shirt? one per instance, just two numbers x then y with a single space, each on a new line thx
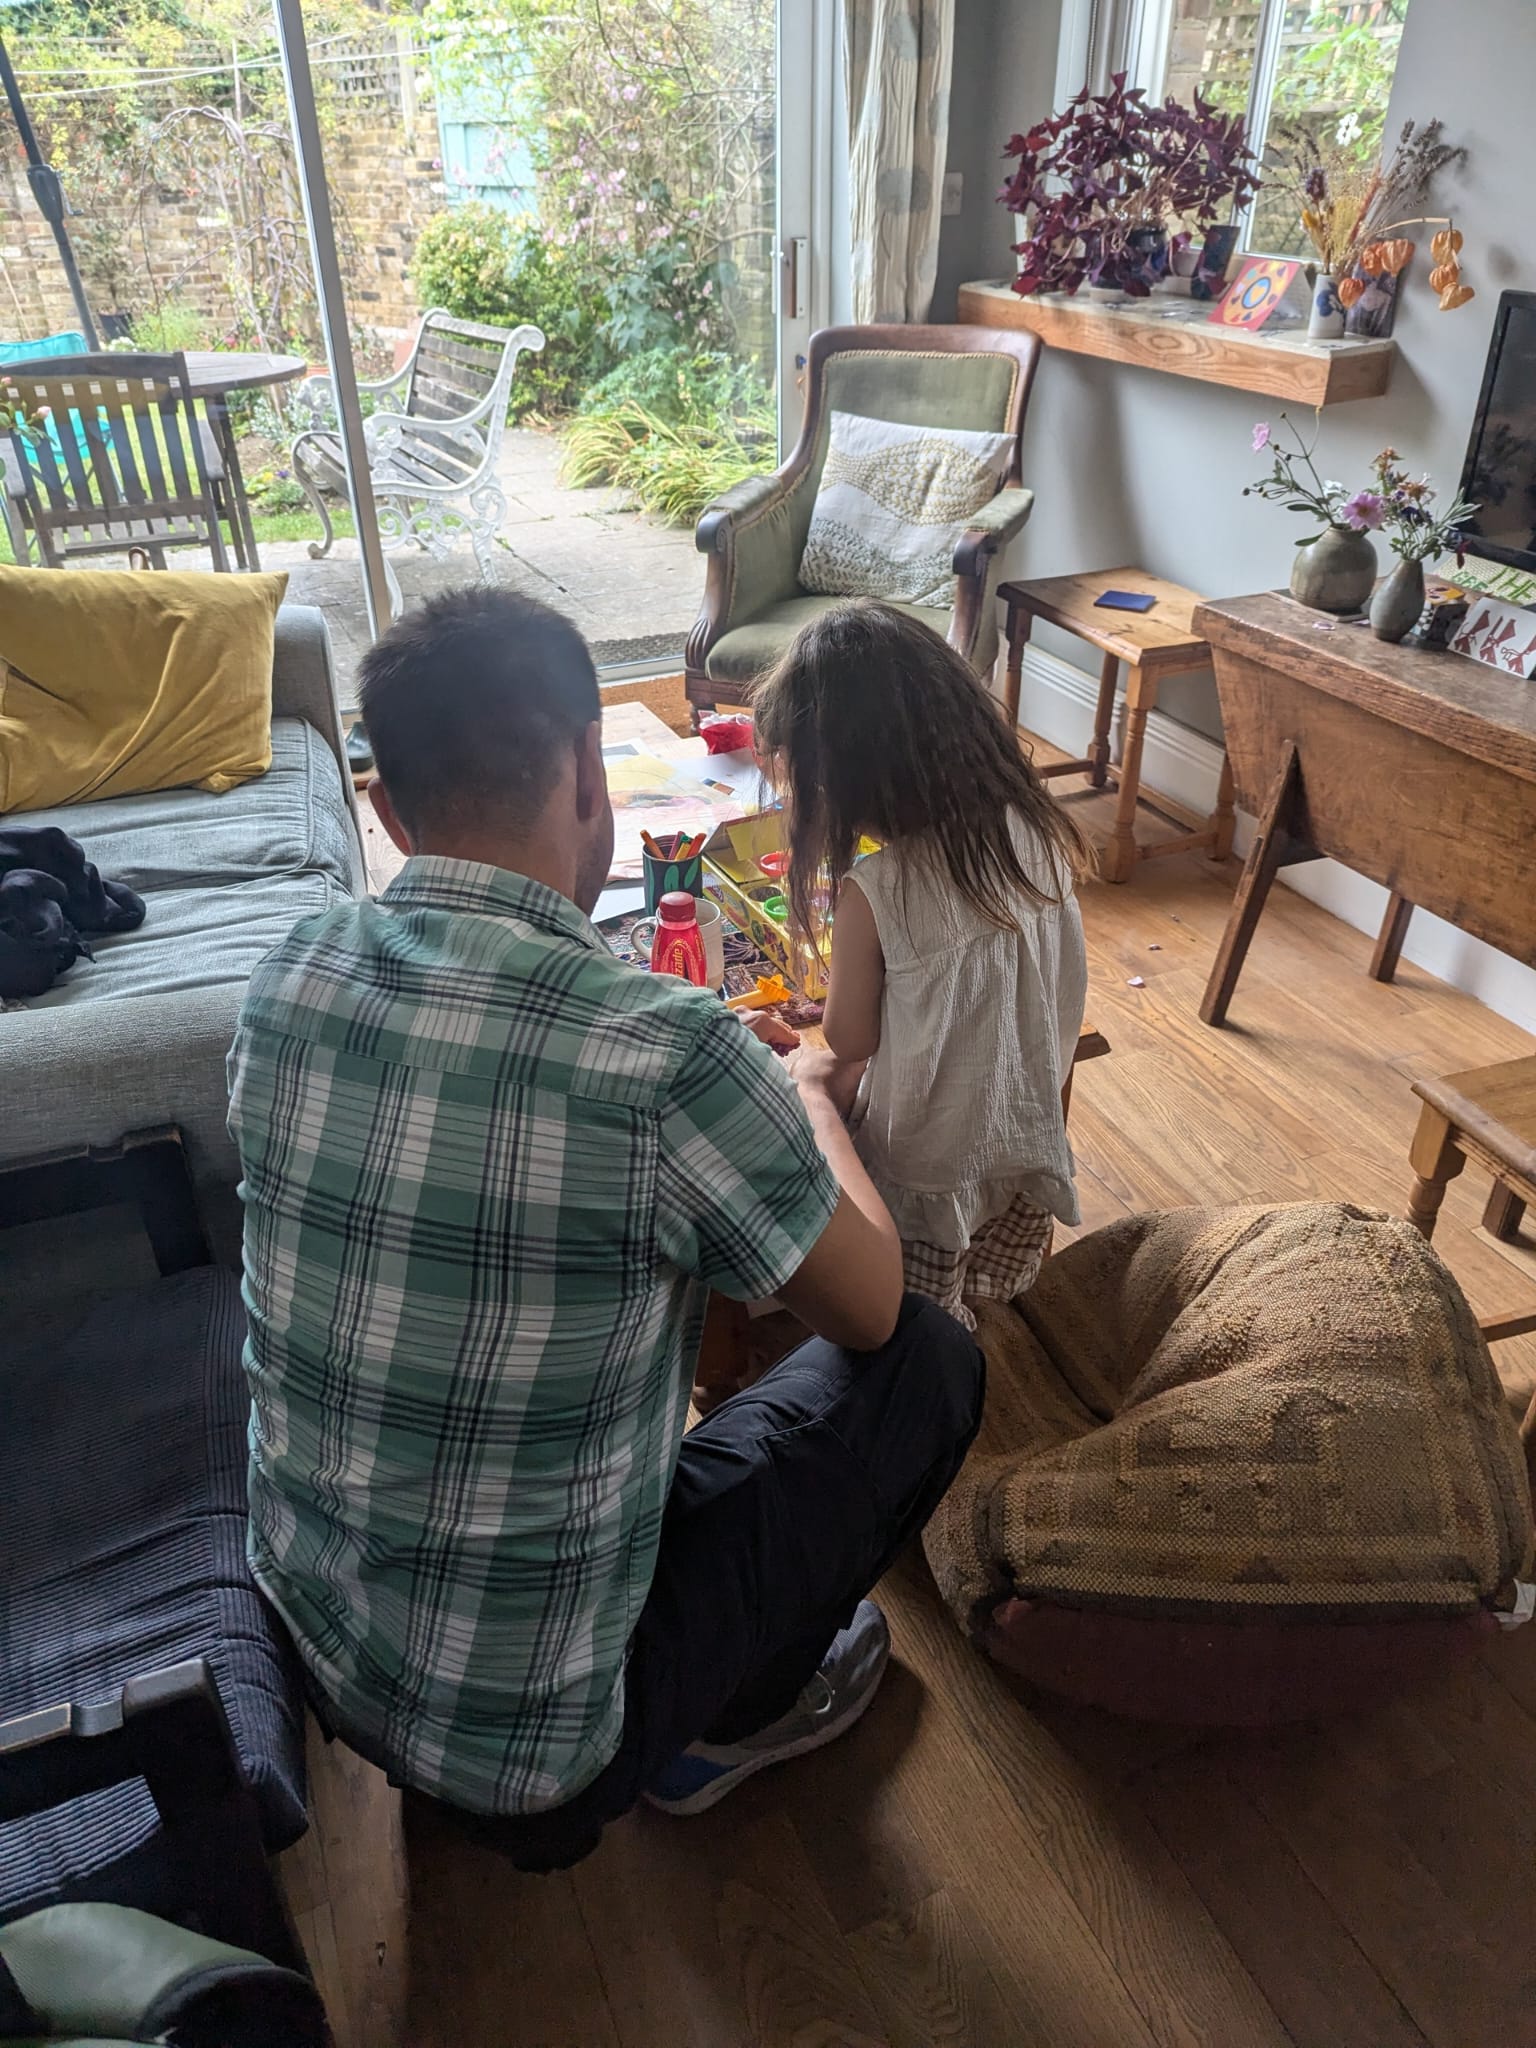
490 1173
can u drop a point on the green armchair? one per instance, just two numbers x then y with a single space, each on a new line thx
973 378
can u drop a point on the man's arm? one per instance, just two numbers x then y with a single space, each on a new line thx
760 1191
848 1287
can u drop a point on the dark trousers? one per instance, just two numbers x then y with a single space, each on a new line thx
789 1502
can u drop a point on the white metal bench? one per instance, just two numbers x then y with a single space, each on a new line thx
433 462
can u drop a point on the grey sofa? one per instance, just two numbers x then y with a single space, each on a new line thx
137 1037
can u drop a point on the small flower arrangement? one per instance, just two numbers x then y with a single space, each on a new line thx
1329 503
1401 509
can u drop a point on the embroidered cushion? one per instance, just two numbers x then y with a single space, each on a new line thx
1237 1466
892 506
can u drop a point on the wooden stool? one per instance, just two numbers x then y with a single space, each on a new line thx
1487 1115
1154 644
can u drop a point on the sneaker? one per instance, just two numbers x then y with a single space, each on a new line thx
359 751
835 1698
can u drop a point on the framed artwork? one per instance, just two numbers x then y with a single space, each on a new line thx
1255 293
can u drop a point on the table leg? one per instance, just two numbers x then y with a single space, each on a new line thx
1505 1209
1119 858
1224 817
1436 1160
1019 623
1389 940
1275 846
1103 716
234 482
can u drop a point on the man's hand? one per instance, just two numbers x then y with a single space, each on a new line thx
770 1029
824 1075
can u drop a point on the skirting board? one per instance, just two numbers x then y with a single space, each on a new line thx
1057 701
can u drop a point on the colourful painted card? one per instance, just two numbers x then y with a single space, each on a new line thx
1255 293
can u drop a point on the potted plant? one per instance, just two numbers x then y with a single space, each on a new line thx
1335 569
1099 186
1401 508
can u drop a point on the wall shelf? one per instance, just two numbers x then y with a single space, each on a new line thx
1176 335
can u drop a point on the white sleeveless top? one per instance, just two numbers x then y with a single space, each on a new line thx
959 1111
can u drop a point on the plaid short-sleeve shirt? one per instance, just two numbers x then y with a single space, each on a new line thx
488 1172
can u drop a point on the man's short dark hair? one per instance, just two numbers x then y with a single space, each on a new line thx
471 703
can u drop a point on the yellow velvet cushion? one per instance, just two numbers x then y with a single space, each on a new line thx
112 682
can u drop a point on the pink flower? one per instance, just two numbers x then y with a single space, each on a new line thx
1364 511
1260 436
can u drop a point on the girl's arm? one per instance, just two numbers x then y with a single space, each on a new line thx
856 981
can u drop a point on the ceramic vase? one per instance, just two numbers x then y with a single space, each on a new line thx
1336 572
1398 601
1327 321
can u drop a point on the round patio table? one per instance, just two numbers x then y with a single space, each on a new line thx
212 373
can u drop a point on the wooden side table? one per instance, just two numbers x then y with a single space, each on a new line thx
1153 644
1488 1116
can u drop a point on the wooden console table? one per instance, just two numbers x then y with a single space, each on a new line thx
1418 770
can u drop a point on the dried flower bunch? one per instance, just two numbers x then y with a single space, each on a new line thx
1089 178
1351 212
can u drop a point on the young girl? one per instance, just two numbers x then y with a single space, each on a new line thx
957 966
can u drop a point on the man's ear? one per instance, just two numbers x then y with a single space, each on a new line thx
385 812
591 774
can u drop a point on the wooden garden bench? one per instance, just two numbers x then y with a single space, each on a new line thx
432 461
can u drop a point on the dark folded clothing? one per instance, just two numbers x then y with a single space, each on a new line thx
50 897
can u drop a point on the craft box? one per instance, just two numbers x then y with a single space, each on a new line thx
731 874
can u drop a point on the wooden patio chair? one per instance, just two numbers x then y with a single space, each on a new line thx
432 460
121 461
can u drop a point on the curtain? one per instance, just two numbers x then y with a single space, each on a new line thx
896 68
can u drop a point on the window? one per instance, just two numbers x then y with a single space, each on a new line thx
1289 64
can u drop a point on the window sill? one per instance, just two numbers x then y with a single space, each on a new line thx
1153 336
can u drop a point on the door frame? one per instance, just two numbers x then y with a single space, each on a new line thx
809 73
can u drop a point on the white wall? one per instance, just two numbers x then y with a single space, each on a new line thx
1136 466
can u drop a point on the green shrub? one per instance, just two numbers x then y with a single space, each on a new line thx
481 264
709 387
674 468
276 490
168 329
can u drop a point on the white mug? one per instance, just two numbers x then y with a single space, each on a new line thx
642 937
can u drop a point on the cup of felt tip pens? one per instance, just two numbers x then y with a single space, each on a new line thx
675 861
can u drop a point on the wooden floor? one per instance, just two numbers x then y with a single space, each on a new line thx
977 1866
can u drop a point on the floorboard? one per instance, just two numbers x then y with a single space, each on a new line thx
980 1866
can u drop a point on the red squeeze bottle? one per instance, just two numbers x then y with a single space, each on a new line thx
679 944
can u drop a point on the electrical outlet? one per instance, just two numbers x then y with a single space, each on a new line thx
954 194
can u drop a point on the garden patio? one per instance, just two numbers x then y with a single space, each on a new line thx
630 583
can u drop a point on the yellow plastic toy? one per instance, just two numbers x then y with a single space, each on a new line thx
770 989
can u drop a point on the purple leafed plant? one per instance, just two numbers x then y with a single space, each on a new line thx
1087 179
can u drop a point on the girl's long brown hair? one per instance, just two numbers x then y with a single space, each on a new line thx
875 725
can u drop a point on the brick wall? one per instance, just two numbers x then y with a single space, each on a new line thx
385 185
